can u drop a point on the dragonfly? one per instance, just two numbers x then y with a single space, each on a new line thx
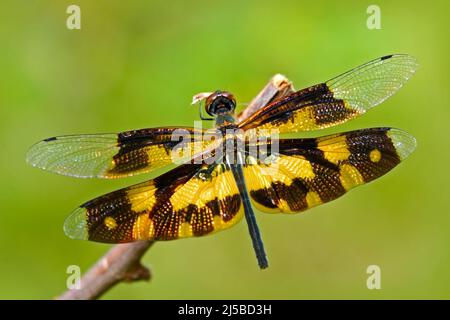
200 197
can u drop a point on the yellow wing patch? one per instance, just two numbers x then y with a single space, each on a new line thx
375 155
334 148
110 223
143 227
313 199
278 182
191 200
309 172
350 176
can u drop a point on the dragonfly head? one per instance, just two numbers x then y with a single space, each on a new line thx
217 103
220 103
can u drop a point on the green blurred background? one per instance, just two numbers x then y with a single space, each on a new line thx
136 64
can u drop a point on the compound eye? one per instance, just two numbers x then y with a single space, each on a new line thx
219 102
209 108
210 104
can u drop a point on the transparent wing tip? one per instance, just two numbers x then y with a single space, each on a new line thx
403 142
85 156
400 56
368 85
34 154
75 226
409 62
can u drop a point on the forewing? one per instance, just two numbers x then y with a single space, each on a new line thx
337 100
309 172
117 155
189 201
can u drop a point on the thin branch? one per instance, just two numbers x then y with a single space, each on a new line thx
123 262
120 264
278 87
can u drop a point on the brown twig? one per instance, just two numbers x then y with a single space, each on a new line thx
278 87
123 262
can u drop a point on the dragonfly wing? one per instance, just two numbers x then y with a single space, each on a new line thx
337 100
309 172
189 201
117 155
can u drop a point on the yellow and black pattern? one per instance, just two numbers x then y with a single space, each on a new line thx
337 100
206 192
191 200
117 155
308 172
